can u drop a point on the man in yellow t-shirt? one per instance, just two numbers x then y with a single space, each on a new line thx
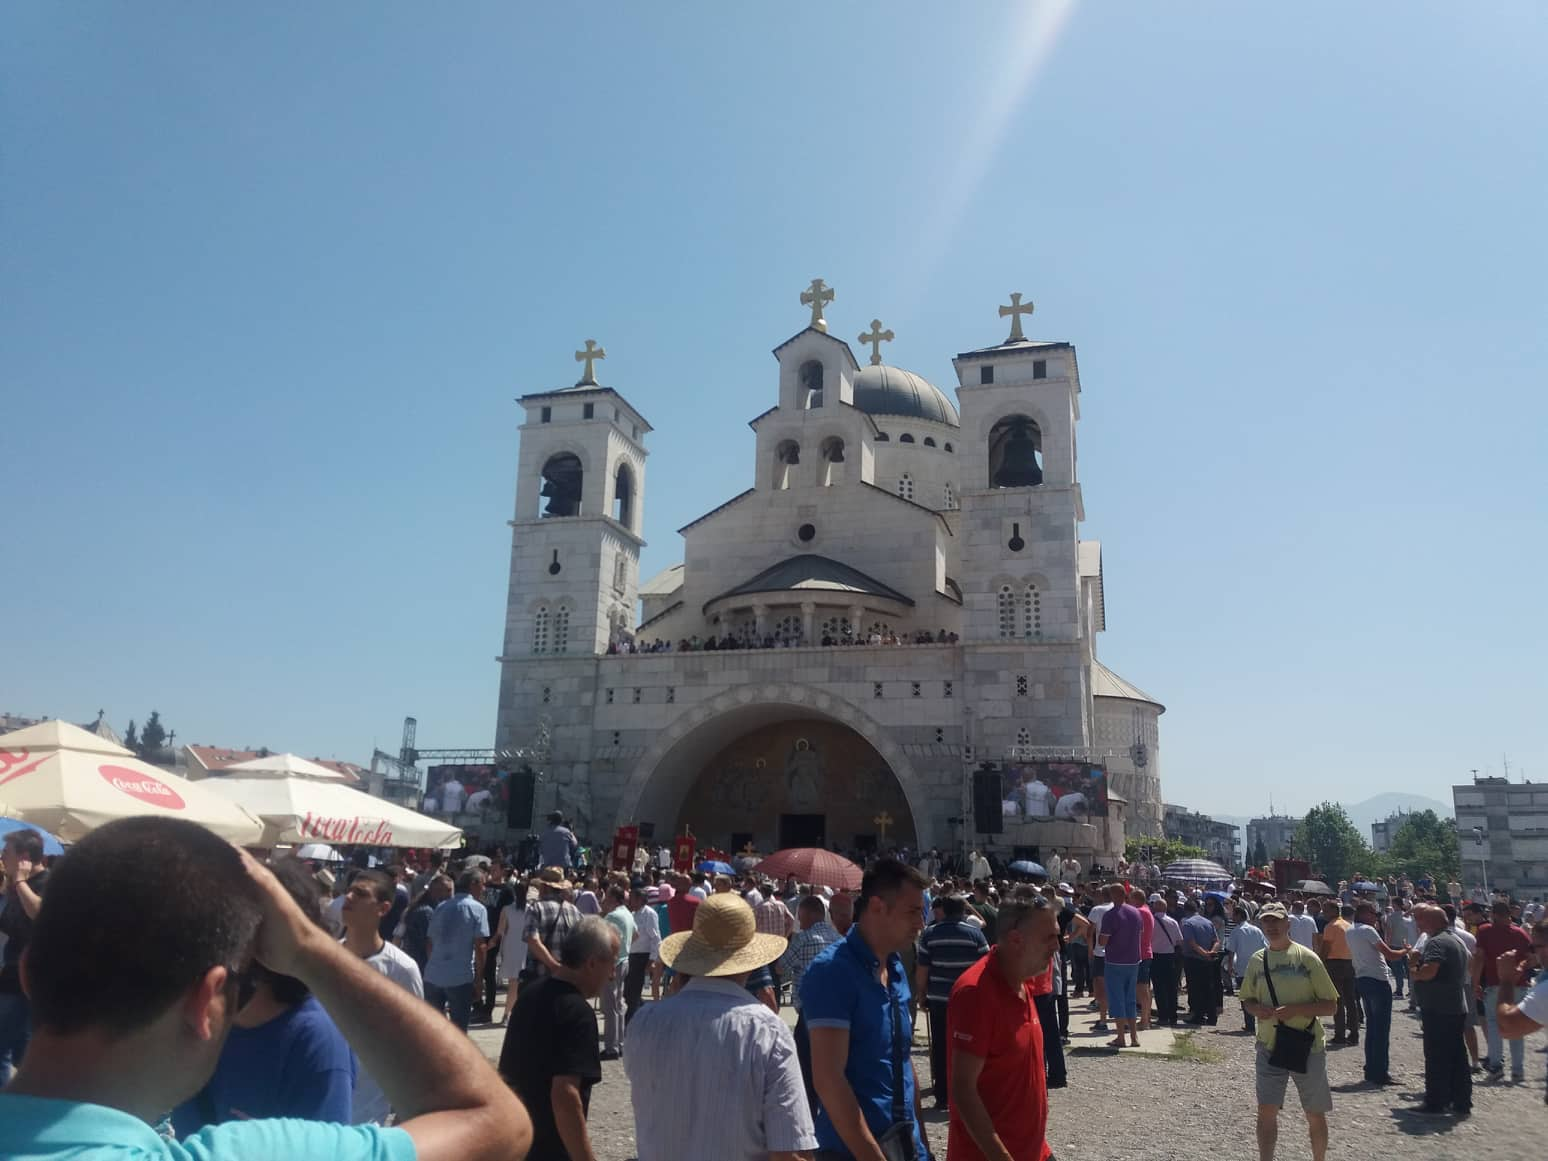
1305 994
1333 943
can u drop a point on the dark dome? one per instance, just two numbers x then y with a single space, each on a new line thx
884 390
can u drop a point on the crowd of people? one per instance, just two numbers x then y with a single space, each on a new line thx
292 1012
783 639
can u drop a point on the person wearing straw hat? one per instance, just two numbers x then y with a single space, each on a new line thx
712 1072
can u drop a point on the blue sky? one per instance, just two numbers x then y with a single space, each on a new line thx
274 274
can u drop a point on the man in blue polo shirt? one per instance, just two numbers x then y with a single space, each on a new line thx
855 998
459 935
121 1038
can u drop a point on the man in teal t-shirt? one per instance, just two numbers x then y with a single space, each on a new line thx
132 1004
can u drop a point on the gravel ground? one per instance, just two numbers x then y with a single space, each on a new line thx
1110 1109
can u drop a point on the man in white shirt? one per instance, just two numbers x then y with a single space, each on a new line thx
1303 927
978 867
1373 984
1099 965
643 949
1039 799
478 800
366 903
452 795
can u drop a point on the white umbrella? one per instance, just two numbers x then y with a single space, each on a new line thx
302 810
322 852
71 781
281 766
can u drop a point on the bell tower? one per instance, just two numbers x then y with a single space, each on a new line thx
575 534
1021 510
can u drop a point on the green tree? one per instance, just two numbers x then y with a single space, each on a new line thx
1260 855
1332 844
1162 850
153 737
1425 844
132 737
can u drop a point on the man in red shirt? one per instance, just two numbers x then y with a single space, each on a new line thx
681 906
999 1096
1495 938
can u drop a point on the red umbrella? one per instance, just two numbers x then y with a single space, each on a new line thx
813 865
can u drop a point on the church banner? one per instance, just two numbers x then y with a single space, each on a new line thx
626 841
683 848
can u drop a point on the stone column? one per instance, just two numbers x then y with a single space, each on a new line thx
857 621
808 617
760 621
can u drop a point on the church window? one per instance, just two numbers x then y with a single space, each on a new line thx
671 694
876 689
636 695
1007 611
906 486
1031 612
947 689
617 737
914 689
562 629
623 496
540 630
1039 368
806 532
986 373
562 480
946 447
789 628
786 456
1023 737
836 627
951 495
929 441
882 437
609 697
589 411
621 573
1021 685
940 735
548 694
546 415
811 383
905 438
1015 453
832 457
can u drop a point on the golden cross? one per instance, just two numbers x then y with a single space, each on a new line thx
749 849
876 338
589 356
814 296
883 821
1015 310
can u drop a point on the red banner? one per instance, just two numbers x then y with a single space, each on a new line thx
683 847
626 840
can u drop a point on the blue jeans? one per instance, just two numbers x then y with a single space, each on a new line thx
1376 999
456 1000
1399 974
15 1032
1496 1055
1122 980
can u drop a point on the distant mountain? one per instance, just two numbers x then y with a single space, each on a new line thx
1380 806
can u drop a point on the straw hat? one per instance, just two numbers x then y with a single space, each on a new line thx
553 877
724 941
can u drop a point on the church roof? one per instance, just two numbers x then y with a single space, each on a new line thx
586 389
810 572
884 390
1106 683
668 580
1019 347
1090 558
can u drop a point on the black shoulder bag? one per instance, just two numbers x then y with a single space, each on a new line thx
1292 1046
897 1143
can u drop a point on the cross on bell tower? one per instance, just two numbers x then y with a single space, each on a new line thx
815 296
1014 311
589 356
876 338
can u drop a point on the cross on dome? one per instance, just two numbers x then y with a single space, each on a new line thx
876 338
589 356
1015 310
815 296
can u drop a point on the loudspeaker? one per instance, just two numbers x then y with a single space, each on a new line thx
987 810
518 805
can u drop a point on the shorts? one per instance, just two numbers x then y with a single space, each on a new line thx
1098 966
1144 976
1311 1085
1122 979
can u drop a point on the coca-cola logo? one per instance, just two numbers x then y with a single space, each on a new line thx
372 832
142 786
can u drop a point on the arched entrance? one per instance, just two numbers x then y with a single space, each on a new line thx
779 767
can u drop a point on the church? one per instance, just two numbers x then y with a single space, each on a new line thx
888 639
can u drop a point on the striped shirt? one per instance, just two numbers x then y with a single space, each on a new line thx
804 947
948 949
773 917
713 1073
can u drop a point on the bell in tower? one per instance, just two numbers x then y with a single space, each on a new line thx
562 478
1015 461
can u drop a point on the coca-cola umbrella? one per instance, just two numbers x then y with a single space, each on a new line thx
307 810
70 781
813 865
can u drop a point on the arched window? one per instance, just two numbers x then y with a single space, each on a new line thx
882 437
540 630
1015 453
946 447
623 496
929 441
562 629
562 485
1031 612
906 486
786 456
811 383
1007 611
832 458
905 438
951 495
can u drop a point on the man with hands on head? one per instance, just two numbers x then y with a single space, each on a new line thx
108 1001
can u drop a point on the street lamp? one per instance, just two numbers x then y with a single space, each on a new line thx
1483 857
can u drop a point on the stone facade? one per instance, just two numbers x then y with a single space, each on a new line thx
878 512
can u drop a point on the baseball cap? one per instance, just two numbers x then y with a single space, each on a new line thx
1273 911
